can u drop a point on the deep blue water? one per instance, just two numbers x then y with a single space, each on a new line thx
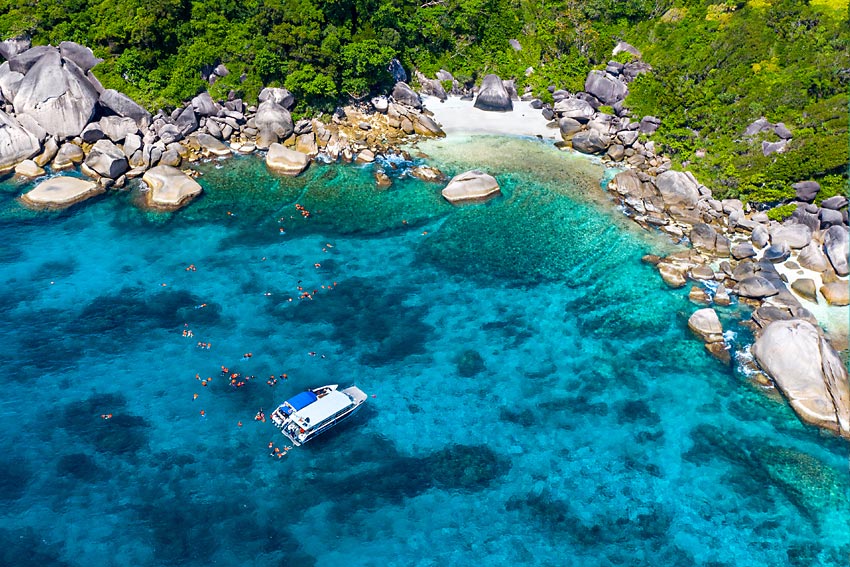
535 395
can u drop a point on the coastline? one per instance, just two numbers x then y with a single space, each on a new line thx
127 142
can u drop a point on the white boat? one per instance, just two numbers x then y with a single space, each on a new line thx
312 412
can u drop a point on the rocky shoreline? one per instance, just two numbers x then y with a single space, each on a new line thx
54 113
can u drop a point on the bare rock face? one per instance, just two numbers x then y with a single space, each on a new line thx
813 258
493 96
605 87
279 96
677 188
426 126
57 94
9 81
107 159
591 141
808 372
68 156
756 287
82 56
61 192
471 186
283 160
706 325
170 188
836 293
274 118
836 246
116 128
122 105
13 46
575 108
796 235
212 145
405 95
16 144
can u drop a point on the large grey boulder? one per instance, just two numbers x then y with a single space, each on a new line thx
649 124
274 118
279 96
575 108
756 287
431 87
60 192
122 105
132 143
397 71
568 127
591 141
471 186
57 95
116 128
169 133
25 60
204 105
808 372
829 217
705 324
796 235
107 159
403 94
757 126
835 244
806 191
812 257
677 189
10 81
16 144
627 47
212 146
288 162
835 203
836 293
605 87
703 236
68 156
13 46
777 252
424 125
187 121
492 96
760 236
170 188
82 56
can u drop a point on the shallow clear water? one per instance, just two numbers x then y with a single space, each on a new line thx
535 395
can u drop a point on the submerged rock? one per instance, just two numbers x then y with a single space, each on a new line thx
471 186
170 188
61 192
808 372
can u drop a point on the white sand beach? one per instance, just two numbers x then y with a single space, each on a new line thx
458 116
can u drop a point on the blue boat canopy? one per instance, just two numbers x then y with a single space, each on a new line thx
300 401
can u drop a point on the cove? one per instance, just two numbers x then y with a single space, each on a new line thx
538 397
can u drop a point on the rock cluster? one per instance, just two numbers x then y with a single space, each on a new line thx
54 111
736 251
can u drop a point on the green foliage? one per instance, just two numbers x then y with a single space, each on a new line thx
717 66
781 212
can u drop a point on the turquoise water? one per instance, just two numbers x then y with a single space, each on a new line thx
535 395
